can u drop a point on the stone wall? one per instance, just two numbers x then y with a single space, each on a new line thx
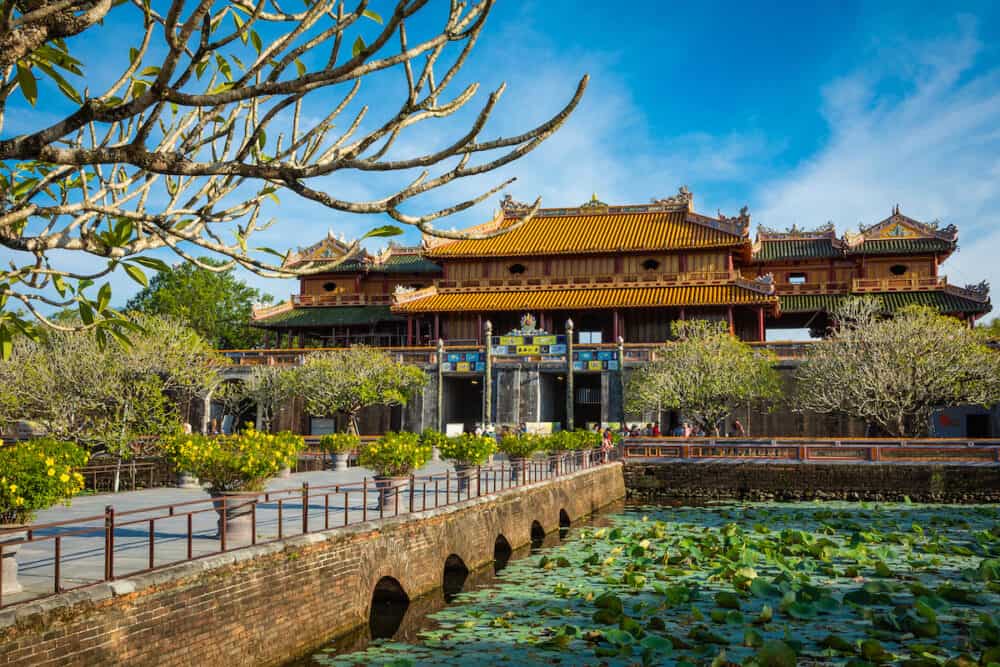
808 481
264 605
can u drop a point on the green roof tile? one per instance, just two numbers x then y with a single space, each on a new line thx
900 246
394 264
943 301
796 249
330 316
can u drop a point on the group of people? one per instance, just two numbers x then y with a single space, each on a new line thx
682 430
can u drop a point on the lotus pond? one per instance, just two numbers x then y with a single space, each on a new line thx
770 584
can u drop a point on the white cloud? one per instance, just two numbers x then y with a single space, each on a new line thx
918 127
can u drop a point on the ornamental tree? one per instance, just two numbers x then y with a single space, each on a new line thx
198 113
705 373
106 396
343 382
267 387
895 372
211 301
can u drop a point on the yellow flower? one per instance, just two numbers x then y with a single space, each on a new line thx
19 501
64 478
52 472
50 462
13 488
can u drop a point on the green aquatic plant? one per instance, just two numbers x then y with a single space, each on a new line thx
766 585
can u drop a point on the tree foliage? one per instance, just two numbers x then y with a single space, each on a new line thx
267 387
342 382
895 372
705 374
210 301
220 107
106 396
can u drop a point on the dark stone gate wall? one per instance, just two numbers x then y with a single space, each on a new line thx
264 605
809 481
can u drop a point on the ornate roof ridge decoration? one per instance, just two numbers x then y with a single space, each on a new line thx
682 201
403 294
906 227
824 231
326 250
500 217
761 284
529 327
736 225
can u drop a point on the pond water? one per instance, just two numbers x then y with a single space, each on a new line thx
770 584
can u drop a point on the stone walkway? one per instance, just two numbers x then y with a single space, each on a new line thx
82 558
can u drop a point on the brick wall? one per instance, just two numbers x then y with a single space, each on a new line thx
808 481
264 605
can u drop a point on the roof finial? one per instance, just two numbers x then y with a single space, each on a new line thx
593 197
895 211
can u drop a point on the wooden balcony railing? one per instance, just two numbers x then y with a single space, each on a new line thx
831 287
548 282
307 300
905 284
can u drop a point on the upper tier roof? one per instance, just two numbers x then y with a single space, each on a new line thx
595 227
337 256
896 235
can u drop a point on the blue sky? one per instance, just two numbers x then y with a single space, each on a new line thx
805 113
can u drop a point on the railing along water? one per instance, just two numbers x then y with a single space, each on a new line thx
166 535
816 450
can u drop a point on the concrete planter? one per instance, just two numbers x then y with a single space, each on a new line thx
435 454
186 480
285 473
387 488
236 512
464 473
339 460
11 532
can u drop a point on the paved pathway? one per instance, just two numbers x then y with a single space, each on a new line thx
82 558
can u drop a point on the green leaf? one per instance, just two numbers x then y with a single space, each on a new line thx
373 16
300 67
6 343
103 296
136 274
256 41
86 312
153 263
29 87
359 46
386 230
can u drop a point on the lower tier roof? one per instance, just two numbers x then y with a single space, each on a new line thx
598 298
332 316
943 301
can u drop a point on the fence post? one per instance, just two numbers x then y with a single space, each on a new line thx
479 479
412 484
109 543
305 507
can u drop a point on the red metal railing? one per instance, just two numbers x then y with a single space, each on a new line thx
817 450
124 543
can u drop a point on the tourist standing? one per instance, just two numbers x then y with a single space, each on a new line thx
738 429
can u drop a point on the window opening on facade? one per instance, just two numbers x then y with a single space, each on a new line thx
651 265
797 278
517 269
330 287
897 269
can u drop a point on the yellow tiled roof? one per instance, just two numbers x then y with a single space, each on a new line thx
593 232
611 297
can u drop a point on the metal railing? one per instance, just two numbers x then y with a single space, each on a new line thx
107 545
816 450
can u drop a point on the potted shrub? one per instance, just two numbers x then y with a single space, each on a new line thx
392 458
339 446
518 448
467 451
235 467
34 475
434 439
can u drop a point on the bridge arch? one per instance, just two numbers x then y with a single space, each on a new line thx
388 608
455 574
537 534
501 553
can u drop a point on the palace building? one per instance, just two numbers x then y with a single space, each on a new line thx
617 272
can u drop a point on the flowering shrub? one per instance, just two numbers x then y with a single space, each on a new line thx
38 474
468 449
339 443
520 446
394 454
433 438
240 462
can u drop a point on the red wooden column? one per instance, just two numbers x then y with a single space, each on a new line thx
409 331
437 327
479 328
614 325
682 314
761 334
732 321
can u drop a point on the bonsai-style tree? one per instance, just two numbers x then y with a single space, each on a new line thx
106 396
267 387
212 109
706 374
895 371
346 381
